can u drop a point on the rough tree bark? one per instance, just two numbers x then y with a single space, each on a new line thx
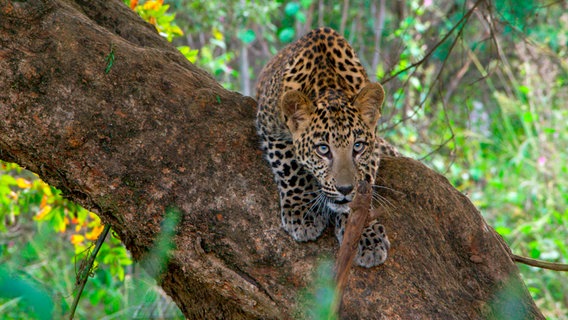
157 132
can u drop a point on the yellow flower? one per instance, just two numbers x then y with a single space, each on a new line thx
94 234
23 183
217 34
77 238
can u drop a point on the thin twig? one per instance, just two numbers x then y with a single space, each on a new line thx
421 61
462 22
540 263
86 271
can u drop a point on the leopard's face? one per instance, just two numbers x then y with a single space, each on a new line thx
339 150
334 139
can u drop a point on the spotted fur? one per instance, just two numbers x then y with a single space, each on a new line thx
317 116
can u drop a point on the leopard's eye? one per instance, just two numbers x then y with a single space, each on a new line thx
358 147
323 150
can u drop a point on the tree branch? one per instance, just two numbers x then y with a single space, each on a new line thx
155 132
540 263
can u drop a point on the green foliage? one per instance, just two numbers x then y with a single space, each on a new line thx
28 296
110 59
500 139
42 249
317 299
294 12
159 255
221 29
156 13
190 54
247 36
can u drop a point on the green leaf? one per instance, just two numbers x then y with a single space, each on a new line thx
190 54
286 35
176 31
301 17
96 296
524 89
526 229
291 8
415 82
380 71
535 253
503 230
247 36
119 273
534 290
125 261
306 3
7 180
529 117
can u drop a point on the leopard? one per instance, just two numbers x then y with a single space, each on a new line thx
317 119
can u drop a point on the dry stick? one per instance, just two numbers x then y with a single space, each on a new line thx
540 263
358 219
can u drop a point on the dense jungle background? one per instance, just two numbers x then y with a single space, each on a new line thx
477 90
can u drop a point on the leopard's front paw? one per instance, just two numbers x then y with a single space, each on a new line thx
373 246
305 229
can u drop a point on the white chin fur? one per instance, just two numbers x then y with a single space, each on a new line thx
339 208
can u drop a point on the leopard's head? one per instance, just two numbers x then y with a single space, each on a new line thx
334 138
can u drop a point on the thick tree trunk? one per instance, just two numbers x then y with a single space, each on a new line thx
155 132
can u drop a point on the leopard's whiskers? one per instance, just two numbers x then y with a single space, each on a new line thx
316 202
383 187
382 201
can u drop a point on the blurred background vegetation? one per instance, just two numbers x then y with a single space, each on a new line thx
477 90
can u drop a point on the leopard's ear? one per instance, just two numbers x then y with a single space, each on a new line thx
369 103
296 108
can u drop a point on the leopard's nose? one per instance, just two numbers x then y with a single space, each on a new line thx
345 189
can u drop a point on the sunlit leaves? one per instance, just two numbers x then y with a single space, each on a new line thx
23 183
153 5
95 232
43 214
190 54
217 35
116 258
22 192
156 13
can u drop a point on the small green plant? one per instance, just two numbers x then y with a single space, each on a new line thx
318 297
